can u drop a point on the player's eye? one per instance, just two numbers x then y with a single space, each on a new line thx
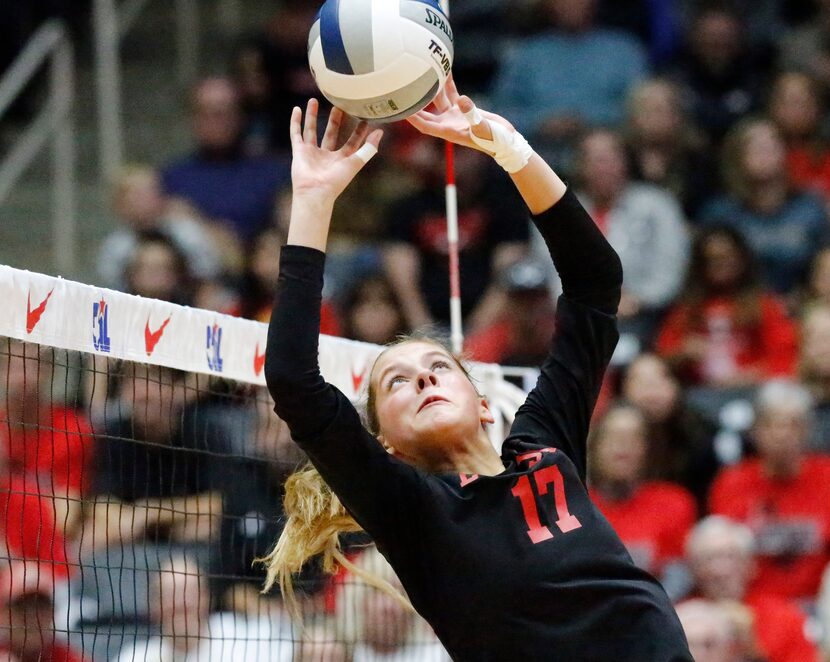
397 379
440 363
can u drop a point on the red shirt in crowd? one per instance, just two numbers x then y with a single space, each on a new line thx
770 346
27 524
58 452
779 627
809 170
790 519
54 653
652 522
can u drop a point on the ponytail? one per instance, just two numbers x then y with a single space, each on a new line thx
315 518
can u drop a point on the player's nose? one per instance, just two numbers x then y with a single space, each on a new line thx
426 379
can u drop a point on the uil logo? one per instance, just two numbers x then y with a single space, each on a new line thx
214 347
100 326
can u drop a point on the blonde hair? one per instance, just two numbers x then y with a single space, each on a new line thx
315 517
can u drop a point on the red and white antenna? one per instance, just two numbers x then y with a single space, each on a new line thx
456 329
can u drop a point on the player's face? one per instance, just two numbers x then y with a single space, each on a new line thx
425 401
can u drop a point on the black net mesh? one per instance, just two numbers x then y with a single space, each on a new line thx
134 499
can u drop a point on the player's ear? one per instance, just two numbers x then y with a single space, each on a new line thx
484 413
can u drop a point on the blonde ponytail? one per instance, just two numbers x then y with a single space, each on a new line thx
315 518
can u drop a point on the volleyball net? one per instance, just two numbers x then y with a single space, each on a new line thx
141 473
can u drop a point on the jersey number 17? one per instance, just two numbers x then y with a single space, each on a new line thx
523 491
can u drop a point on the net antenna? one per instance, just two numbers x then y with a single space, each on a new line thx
456 328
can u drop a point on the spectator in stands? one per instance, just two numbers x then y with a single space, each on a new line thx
817 288
797 107
487 27
721 559
655 24
822 612
664 148
141 207
28 528
259 281
814 370
47 443
783 226
272 69
377 625
644 224
680 438
572 76
521 335
218 179
651 517
807 47
783 495
250 75
718 71
726 329
188 632
259 278
372 313
709 632
261 456
156 474
492 231
27 625
159 270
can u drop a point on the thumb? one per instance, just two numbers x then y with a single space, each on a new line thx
479 126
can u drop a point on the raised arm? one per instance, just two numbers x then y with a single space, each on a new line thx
319 174
558 410
375 487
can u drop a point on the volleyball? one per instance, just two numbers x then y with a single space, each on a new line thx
380 60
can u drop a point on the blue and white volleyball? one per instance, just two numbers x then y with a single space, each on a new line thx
380 60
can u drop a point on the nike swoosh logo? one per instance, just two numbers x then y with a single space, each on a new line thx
33 316
151 338
357 379
259 360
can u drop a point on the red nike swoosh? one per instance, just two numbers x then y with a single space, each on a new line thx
259 360
357 379
151 338
33 316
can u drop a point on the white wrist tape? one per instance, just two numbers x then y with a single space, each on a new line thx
509 148
366 152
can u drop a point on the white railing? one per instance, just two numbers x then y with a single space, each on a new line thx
528 376
51 42
113 21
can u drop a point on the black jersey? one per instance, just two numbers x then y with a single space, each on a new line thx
517 566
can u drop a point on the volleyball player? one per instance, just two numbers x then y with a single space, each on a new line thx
505 556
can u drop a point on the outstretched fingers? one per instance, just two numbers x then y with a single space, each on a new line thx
310 128
332 130
295 126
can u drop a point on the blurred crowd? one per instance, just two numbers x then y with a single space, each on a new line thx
697 135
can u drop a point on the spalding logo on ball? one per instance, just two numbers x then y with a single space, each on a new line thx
380 60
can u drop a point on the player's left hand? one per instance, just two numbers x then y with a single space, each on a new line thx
448 119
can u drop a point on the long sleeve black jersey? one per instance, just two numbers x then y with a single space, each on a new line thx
517 566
